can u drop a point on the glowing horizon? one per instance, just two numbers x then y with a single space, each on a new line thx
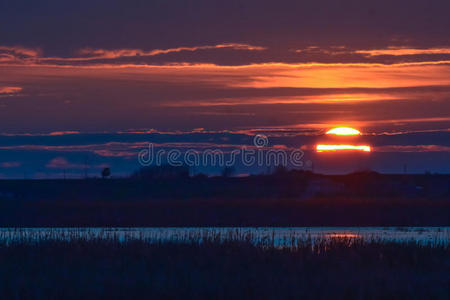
343 131
322 148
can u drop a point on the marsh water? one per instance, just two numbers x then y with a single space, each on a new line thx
278 236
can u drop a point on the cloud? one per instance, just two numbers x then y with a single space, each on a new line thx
374 53
412 148
29 56
10 164
107 54
400 51
328 98
226 54
9 90
53 133
114 149
412 131
413 120
150 24
216 97
18 54
63 164
56 133
332 50
121 150
153 33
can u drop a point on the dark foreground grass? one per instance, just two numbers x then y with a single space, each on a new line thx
337 269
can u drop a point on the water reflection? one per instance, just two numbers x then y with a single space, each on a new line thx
343 235
264 236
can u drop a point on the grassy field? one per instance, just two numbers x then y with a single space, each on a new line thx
219 269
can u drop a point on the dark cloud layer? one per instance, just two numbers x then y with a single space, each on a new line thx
74 155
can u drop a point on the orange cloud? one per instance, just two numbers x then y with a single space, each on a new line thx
326 124
330 98
56 133
333 50
10 89
351 75
103 53
389 51
344 78
22 55
310 75
20 51
399 51
18 54
30 56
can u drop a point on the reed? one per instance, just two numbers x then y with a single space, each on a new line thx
228 265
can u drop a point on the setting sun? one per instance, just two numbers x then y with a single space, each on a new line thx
343 131
321 148
338 145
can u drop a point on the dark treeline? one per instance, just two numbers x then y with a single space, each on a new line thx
142 213
170 197
175 183
107 269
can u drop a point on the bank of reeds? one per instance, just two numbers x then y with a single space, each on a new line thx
217 268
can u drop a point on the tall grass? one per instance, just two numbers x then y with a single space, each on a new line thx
263 237
219 267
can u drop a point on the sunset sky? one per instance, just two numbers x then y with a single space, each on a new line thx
97 80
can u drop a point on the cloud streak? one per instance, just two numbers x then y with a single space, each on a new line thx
9 90
226 54
63 164
401 51
412 148
10 164
28 56
108 54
